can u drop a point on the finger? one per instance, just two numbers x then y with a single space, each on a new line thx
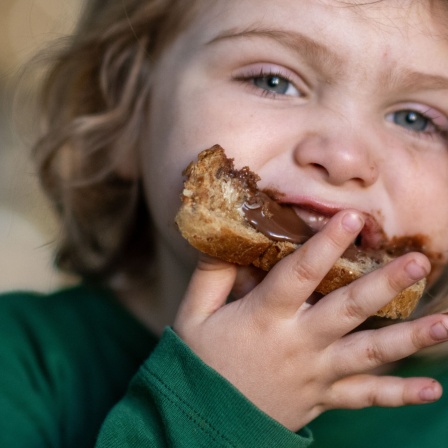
363 391
367 350
294 278
208 289
346 308
247 278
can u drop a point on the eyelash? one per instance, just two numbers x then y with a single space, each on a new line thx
249 80
436 131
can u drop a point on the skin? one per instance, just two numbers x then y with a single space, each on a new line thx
338 137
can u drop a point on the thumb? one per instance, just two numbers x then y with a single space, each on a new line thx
208 289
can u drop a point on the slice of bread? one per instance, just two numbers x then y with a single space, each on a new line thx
212 220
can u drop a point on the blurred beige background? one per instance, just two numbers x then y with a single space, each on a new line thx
27 226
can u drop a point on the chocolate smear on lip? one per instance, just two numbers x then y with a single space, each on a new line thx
278 222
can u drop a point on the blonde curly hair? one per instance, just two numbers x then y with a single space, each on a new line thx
93 103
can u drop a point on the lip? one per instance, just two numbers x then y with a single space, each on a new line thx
315 219
316 215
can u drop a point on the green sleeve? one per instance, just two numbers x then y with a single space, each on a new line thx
176 400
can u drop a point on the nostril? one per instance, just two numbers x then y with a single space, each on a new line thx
319 167
358 241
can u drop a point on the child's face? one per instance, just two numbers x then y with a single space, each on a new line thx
333 105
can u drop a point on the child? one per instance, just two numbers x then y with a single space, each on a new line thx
341 107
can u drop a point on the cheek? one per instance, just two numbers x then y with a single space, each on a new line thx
162 190
160 170
427 213
200 118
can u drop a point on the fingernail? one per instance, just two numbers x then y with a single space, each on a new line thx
428 394
352 222
439 332
415 270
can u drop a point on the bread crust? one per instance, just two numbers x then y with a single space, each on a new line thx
211 220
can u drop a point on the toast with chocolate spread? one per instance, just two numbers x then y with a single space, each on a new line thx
223 214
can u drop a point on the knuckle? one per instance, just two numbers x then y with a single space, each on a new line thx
334 240
394 284
352 309
371 398
304 271
418 339
375 356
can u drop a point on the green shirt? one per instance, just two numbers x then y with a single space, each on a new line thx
66 359
418 426
76 364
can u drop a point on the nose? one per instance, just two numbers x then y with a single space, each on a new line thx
339 158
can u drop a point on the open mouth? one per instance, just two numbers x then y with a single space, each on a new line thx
315 220
372 236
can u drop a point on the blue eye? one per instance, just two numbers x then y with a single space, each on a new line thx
273 83
411 120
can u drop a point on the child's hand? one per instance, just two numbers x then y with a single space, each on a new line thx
295 360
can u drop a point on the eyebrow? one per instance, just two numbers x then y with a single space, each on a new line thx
324 59
316 53
403 78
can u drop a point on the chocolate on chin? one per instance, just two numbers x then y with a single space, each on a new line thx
223 214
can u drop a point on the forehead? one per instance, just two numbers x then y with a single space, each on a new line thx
395 25
417 15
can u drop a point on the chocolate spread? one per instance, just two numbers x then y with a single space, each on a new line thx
278 222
